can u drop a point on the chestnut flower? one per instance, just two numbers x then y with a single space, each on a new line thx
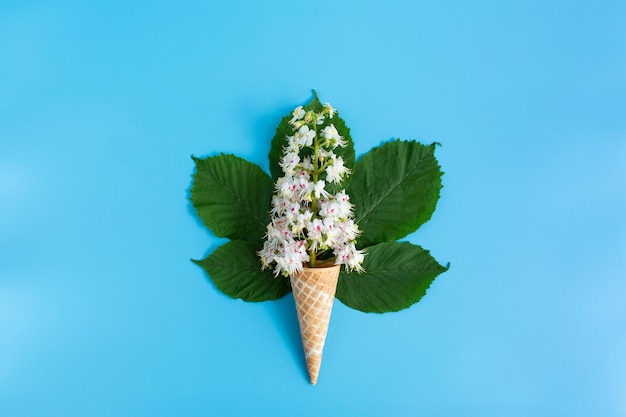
307 220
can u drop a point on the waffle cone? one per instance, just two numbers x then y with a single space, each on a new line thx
314 293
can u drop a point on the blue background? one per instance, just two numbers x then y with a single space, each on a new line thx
102 103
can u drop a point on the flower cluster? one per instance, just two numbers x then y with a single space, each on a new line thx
307 221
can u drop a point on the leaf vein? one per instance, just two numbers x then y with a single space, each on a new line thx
391 190
237 198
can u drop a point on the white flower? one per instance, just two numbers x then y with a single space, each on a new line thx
336 171
332 135
328 208
349 230
330 132
302 187
305 136
349 256
329 110
292 145
331 233
266 254
292 212
293 255
301 222
301 172
323 155
279 205
344 207
289 162
287 188
315 235
297 114
319 189
280 230
332 175
307 164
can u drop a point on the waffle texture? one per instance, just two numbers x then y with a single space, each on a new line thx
314 293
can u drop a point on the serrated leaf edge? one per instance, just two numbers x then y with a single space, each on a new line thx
245 206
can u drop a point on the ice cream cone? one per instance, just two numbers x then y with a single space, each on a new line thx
314 293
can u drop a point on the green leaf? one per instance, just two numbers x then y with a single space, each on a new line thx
284 129
232 196
395 188
397 275
236 271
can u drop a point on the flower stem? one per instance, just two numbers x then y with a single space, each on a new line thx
316 146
